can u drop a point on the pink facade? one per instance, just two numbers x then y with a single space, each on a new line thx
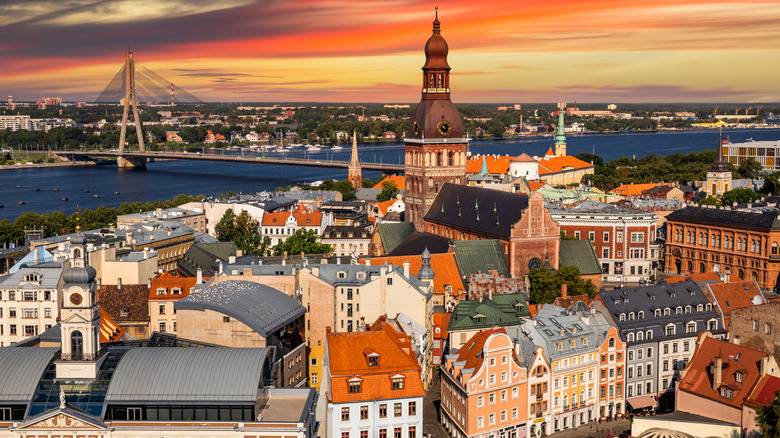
539 391
612 379
484 390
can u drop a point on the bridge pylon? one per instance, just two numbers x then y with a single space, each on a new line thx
128 100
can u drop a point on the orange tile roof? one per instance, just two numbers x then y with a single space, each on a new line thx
698 374
303 219
730 296
384 205
534 186
109 329
707 276
470 351
399 181
348 359
632 189
445 269
441 320
495 164
168 281
557 164
764 391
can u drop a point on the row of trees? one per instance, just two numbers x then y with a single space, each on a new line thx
245 233
60 223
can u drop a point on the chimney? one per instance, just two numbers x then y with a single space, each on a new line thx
221 268
563 291
315 271
717 369
232 259
406 269
764 367
199 276
119 283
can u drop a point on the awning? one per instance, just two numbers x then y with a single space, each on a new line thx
645 401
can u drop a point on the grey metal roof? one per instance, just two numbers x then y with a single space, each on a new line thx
554 325
188 375
262 308
20 370
49 274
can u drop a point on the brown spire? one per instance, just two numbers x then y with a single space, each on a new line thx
719 165
355 174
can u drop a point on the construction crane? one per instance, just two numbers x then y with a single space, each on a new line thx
759 109
747 109
736 113
715 114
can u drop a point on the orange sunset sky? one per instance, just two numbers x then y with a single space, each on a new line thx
510 51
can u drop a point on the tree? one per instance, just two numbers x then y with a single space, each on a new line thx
591 158
306 241
347 190
740 196
750 169
226 227
244 232
710 200
546 284
389 191
768 418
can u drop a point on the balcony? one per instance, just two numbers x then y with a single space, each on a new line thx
81 357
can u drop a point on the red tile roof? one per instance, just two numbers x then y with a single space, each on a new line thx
632 189
559 164
495 164
303 219
384 205
764 391
445 269
399 181
730 296
169 282
442 321
348 359
109 329
470 351
698 377
523 158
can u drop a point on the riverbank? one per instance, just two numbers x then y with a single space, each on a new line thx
20 166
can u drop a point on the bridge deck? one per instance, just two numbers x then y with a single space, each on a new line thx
234 158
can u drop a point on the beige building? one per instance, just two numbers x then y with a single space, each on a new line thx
30 301
346 240
195 219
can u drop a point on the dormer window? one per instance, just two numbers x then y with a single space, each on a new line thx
738 376
161 291
176 291
688 309
631 316
727 393
678 310
560 346
31 277
397 382
361 275
657 312
355 386
124 311
641 314
373 361
622 317
479 319
667 311
342 274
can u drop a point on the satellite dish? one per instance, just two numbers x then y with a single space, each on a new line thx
716 268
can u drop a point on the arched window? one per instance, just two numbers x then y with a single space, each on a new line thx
641 314
701 267
76 345
611 342
699 308
640 336
630 337
649 334
631 316
774 248
690 266
76 252
741 274
657 312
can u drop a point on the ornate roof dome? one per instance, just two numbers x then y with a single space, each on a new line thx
79 275
523 158
78 239
436 48
426 272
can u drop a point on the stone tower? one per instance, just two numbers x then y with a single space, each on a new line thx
435 152
719 175
80 317
560 137
355 176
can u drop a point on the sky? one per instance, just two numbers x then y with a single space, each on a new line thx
501 51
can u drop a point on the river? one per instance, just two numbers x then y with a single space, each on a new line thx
91 187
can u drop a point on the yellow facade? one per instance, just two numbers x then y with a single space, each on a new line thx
316 354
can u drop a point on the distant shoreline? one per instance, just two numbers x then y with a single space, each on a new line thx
60 164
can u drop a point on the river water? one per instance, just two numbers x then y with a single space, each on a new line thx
91 187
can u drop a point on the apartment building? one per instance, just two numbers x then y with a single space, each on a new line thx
30 300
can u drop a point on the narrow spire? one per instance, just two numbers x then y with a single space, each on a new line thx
436 24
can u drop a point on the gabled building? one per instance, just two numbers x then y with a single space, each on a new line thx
659 324
347 240
720 378
473 316
279 226
726 297
372 387
164 291
484 388
30 301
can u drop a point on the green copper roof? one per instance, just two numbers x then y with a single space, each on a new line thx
484 170
392 234
579 253
480 256
560 138
502 310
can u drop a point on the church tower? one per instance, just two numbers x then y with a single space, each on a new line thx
355 177
80 317
560 137
435 153
719 176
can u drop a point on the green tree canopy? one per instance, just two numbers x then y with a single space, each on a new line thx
389 191
750 169
244 232
306 241
768 418
546 284
740 196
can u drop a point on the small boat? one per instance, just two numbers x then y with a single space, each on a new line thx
20 202
56 189
313 148
37 189
65 199
336 147
86 190
18 187
95 196
116 193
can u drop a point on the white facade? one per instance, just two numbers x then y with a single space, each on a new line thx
526 169
15 123
387 418
30 302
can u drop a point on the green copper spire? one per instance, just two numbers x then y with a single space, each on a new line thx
560 138
484 171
